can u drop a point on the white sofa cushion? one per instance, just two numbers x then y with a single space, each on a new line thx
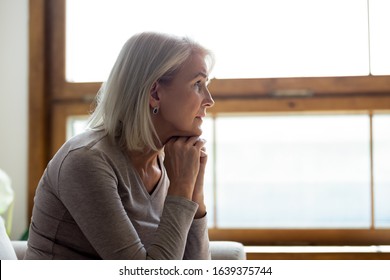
227 250
6 249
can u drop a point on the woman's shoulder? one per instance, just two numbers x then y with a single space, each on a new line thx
87 139
89 143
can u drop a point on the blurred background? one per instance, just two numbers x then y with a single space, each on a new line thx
299 138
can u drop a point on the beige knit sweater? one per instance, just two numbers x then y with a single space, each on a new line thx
91 204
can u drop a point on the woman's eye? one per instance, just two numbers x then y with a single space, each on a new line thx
198 84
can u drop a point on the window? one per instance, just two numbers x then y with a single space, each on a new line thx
381 136
76 125
293 171
301 171
327 176
252 39
379 22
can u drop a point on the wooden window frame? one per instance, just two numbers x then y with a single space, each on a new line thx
52 99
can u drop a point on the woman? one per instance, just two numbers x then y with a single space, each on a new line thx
132 186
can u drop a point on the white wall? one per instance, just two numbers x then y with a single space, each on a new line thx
14 104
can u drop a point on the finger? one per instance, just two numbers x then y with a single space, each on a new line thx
200 143
173 139
191 140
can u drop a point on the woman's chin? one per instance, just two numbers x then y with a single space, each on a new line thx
190 133
198 131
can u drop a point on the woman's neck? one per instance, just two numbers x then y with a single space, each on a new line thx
148 167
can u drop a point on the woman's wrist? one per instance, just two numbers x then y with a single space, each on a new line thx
201 212
199 199
181 189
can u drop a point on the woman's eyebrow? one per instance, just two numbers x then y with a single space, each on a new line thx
202 74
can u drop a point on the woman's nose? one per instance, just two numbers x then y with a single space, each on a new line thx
208 101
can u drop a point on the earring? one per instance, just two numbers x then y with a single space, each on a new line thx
155 110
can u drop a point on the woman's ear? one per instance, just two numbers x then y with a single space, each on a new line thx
154 99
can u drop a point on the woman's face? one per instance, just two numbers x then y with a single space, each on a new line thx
183 101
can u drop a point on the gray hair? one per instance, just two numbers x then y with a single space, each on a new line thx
122 109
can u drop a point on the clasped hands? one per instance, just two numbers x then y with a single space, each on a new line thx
185 162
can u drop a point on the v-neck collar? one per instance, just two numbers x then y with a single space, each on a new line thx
141 183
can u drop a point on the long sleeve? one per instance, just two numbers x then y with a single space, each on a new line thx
197 247
174 228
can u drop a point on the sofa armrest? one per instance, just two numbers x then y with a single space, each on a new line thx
220 250
227 250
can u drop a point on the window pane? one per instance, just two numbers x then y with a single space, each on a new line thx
75 125
251 38
208 128
293 171
379 37
381 135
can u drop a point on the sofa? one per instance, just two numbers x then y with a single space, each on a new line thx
220 250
